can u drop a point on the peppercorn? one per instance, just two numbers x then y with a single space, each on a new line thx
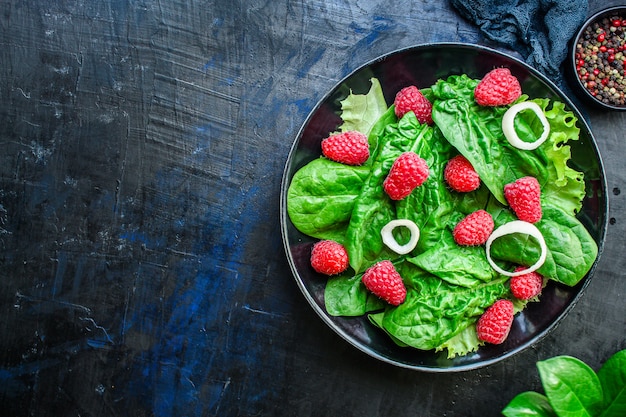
600 59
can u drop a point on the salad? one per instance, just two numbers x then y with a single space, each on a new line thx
448 286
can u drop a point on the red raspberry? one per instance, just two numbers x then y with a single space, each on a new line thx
524 197
411 99
351 148
474 229
407 172
495 323
497 88
384 281
527 286
460 175
329 257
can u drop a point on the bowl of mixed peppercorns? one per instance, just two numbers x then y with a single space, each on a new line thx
599 59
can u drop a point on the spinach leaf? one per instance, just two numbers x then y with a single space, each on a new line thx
529 404
373 208
574 390
572 387
419 321
321 197
612 376
571 249
476 132
361 111
346 295
429 205
466 266
377 320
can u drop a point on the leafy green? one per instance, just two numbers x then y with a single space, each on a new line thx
437 311
572 386
571 249
529 404
373 209
612 376
361 111
321 197
347 296
476 132
448 286
462 343
573 389
465 266
565 187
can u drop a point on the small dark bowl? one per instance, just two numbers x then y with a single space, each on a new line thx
423 65
573 66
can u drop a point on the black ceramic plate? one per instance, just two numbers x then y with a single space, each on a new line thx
423 66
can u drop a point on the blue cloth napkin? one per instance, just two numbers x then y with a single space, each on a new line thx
538 29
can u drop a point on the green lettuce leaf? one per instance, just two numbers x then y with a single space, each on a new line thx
565 187
462 343
361 111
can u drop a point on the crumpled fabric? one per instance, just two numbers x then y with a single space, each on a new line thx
539 30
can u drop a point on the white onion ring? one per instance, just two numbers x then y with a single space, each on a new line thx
390 241
508 127
517 226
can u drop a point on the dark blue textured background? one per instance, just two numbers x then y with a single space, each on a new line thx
142 272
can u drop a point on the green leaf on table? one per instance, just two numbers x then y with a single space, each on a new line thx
571 249
612 376
373 209
572 387
529 404
476 131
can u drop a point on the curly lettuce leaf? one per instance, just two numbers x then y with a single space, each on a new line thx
462 343
464 266
361 111
566 186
